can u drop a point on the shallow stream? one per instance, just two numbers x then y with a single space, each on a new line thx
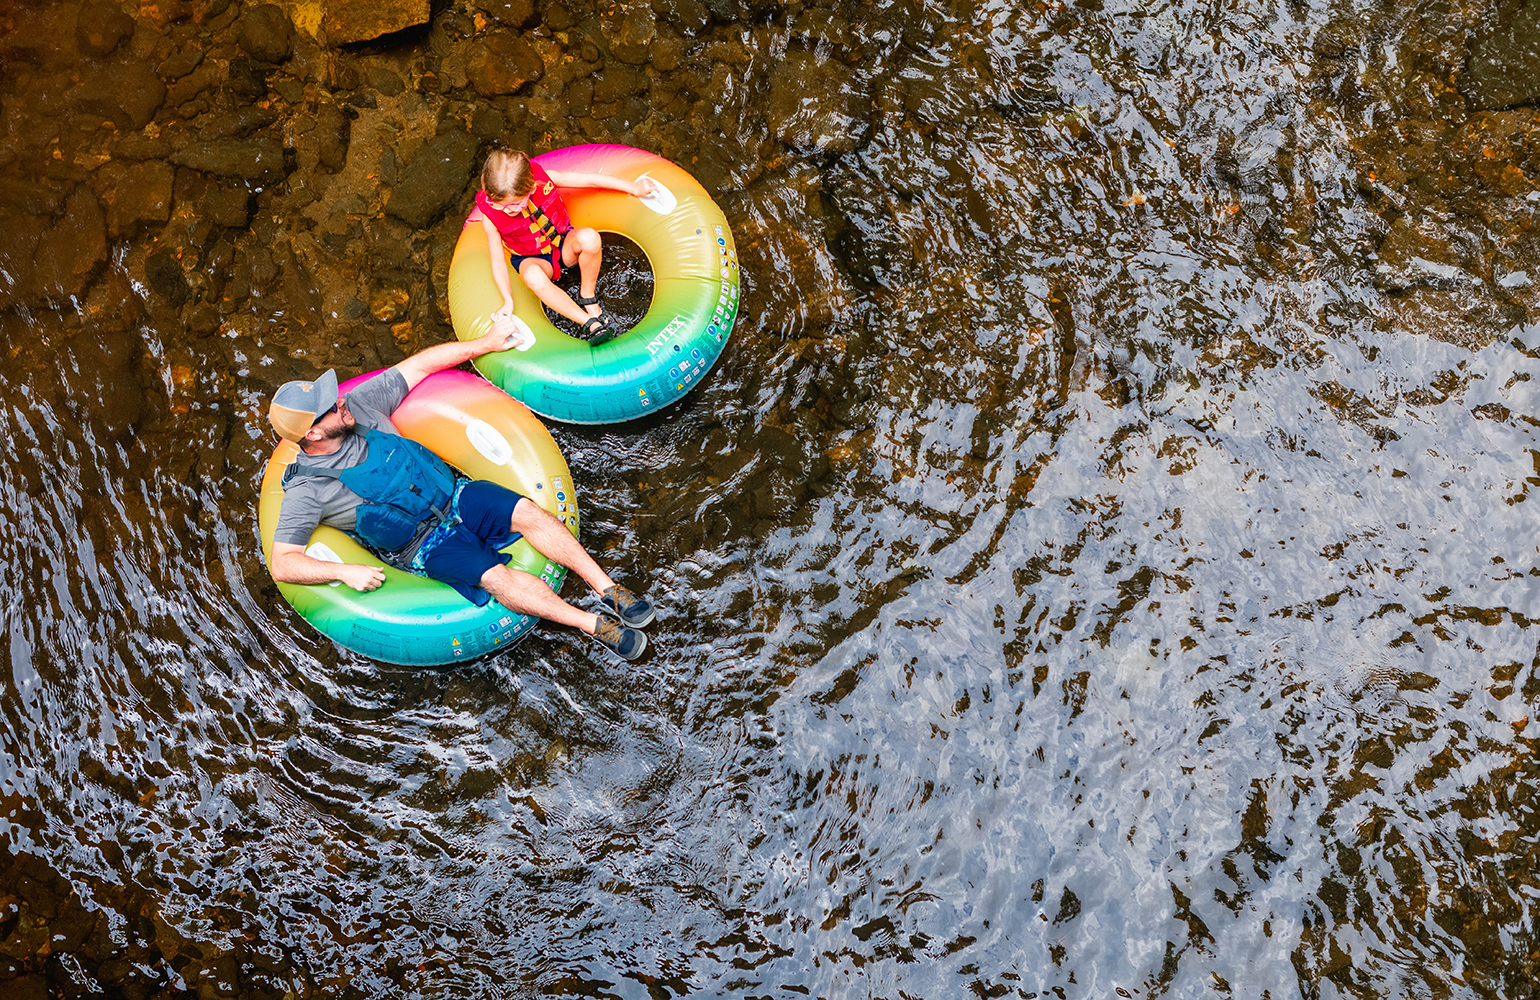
1100 566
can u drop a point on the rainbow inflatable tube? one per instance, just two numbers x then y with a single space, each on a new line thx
413 620
694 298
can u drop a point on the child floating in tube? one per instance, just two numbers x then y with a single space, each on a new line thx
520 208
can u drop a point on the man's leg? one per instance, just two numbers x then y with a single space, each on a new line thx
525 594
552 539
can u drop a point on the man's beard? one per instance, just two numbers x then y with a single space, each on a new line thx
342 428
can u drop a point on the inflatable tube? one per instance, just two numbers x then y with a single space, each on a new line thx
694 298
413 620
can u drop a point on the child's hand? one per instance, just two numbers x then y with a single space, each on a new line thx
642 187
505 312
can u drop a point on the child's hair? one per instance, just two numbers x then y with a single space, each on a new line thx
506 174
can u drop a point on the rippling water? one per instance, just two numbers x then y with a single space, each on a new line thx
1082 577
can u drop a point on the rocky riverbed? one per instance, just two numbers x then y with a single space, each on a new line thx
204 198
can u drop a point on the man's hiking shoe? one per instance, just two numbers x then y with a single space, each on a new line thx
621 603
627 643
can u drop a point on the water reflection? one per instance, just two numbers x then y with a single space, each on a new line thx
1089 571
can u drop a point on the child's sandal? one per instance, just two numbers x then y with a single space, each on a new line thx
593 300
599 330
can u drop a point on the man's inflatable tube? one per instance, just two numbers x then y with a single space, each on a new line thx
413 620
694 297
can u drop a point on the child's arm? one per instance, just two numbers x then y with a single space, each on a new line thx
639 188
499 268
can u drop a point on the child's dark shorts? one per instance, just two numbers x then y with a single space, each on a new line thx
462 549
553 258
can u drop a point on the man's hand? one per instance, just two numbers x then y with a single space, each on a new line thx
505 334
361 578
514 333
290 564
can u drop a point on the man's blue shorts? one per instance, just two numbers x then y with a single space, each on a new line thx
463 548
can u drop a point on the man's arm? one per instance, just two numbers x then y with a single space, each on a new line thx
441 356
291 565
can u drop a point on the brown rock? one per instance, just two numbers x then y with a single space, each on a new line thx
816 103
202 319
433 179
514 13
126 92
558 16
229 205
247 78
181 62
252 159
135 194
205 76
388 304
1421 251
360 20
33 986
163 275
68 253
113 303
334 130
1504 66
101 27
689 16
629 32
667 49
384 81
502 63
220 201
618 81
17 254
1452 316
266 33
40 896
299 291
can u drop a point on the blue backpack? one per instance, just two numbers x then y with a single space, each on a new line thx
407 491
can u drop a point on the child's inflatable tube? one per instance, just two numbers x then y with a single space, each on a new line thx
413 620
694 298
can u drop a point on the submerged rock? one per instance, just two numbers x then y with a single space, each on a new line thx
1421 252
72 249
817 103
259 160
514 13
126 92
1504 67
502 63
102 27
433 179
266 33
630 31
136 195
360 20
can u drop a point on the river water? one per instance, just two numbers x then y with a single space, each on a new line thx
1085 575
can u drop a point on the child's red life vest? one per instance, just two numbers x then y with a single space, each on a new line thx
539 227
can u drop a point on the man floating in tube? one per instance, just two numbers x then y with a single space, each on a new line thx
356 473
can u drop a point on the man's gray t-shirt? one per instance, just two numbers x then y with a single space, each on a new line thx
312 500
